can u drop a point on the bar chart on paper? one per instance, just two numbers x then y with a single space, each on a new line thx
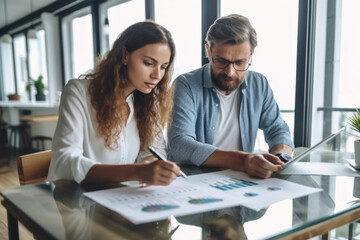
197 193
250 192
226 184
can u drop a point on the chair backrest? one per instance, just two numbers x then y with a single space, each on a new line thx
33 168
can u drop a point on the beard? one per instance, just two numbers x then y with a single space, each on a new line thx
225 83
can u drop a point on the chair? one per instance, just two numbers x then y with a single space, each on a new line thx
33 168
3 135
20 134
40 143
4 143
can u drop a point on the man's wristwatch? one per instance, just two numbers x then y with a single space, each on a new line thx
284 157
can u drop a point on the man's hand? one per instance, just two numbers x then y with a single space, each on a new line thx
261 164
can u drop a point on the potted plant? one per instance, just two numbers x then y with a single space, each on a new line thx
39 86
354 121
13 97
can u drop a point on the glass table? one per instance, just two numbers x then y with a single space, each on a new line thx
59 210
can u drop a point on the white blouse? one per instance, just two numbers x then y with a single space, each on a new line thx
76 146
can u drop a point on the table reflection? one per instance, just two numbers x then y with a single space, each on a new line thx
85 219
225 223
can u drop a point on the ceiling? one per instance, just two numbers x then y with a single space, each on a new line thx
17 9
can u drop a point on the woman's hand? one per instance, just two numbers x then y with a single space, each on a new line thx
158 172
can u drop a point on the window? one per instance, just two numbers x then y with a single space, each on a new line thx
8 79
335 70
83 44
78 43
30 61
349 82
37 57
120 15
185 30
42 56
21 72
337 57
276 24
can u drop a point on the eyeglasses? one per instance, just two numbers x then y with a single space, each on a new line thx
238 65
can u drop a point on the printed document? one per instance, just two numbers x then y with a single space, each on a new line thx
197 193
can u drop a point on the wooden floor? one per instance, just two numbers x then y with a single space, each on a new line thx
9 178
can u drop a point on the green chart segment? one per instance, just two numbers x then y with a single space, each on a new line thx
231 184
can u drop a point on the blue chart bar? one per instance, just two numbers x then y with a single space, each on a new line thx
231 183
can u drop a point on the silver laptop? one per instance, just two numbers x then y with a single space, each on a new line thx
302 155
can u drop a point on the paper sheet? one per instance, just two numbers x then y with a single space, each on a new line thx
197 193
320 168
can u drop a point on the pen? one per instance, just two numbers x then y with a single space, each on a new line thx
161 157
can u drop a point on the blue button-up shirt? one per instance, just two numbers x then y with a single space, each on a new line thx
195 115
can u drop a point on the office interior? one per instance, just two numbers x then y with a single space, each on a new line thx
307 49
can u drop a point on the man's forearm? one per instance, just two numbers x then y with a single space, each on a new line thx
226 159
281 148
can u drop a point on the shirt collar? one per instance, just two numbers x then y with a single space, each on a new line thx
208 82
130 98
130 102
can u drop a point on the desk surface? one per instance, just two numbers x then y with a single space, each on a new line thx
27 104
59 209
44 118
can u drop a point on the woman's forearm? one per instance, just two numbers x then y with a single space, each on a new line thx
112 173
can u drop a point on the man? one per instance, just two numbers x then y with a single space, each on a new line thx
219 107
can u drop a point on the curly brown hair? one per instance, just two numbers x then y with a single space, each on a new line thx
107 81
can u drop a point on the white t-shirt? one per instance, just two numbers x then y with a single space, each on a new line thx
227 132
76 146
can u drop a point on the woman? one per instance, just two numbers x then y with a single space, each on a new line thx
107 119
